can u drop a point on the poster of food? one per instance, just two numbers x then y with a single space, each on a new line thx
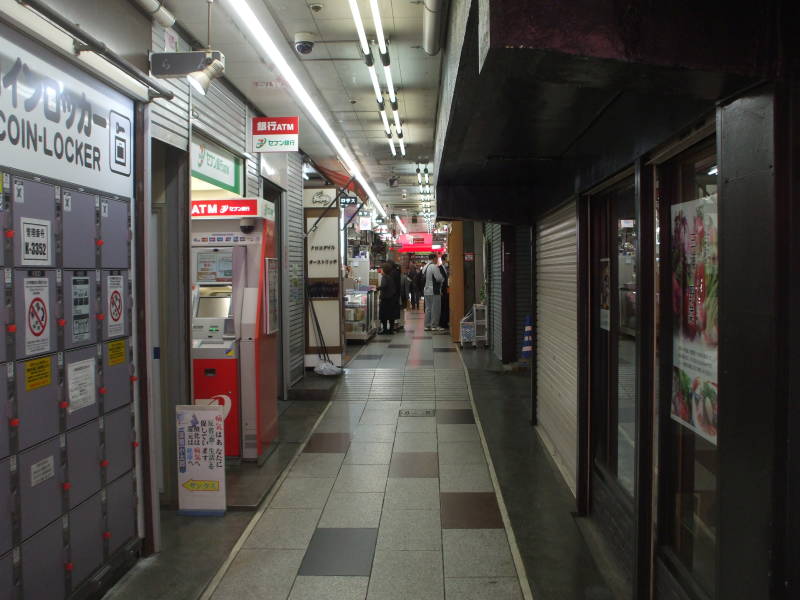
695 308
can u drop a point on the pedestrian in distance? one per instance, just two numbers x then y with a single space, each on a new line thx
387 307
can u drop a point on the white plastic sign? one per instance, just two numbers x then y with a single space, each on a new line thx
115 311
37 315
36 241
80 384
42 470
201 459
80 309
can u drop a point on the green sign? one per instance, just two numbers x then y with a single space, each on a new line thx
216 166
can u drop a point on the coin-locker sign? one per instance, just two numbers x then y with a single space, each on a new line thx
116 305
37 301
36 241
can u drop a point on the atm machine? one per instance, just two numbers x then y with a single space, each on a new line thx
234 359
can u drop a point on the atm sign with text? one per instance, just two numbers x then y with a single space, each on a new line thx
276 134
225 209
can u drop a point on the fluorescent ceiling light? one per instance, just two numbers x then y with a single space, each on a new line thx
385 120
362 36
402 146
249 21
387 73
400 222
397 122
376 87
391 145
376 16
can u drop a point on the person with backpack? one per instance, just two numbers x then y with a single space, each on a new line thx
432 291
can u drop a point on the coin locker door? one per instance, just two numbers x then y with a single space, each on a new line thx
78 227
4 415
114 233
6 505
121 506
37 400
114 304
35 312
41 480
86 539
4 316
80 387
43 559
7 589
116 375
119 442
34 208
80 308
84 459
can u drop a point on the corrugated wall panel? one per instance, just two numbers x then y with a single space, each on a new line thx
169 119
523 272
222 116
493 233
252 175
557 335
296 255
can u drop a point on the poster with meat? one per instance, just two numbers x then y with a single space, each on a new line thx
695 307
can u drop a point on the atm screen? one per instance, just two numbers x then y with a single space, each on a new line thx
214 308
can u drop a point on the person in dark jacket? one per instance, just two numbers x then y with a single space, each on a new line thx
398 287
387 308
416 292
444 319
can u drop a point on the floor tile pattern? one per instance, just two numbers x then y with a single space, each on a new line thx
381 506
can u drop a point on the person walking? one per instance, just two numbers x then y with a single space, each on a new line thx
387 307
444 320
413 288
397 277
432 291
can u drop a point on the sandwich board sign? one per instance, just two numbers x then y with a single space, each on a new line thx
201 460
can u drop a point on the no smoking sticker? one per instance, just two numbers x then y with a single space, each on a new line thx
37 302
116 306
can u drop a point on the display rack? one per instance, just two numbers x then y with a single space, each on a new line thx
361 313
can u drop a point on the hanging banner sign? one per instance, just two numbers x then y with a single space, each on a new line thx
228 209
216 166
201 459
37 327
115 315
276 134
60 119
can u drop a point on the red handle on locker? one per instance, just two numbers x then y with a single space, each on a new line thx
68 566
11 328
100 243
9 233
106 535
63 404
66 486
102 391
14 422
61 322
101 316
104 463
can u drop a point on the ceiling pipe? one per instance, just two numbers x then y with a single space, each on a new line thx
432 26
155 10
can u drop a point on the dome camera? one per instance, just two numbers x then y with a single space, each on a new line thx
304 42
247 225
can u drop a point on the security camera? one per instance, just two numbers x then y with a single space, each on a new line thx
304 42
247 225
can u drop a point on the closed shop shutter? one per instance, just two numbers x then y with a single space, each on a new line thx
522 284
221 116
169 119
296 259
556 329
493 232
252 173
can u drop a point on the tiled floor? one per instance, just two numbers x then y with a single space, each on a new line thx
383 507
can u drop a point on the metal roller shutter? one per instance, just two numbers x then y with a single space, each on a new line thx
252 174
557 336
523 272
169 119
296 255
493 232
222 116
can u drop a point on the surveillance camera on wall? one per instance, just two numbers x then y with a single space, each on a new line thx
247 225
304 42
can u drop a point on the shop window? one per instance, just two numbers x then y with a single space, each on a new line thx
615 323
687 365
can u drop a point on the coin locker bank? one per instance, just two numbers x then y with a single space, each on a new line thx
67 486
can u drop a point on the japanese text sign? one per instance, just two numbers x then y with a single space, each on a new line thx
276 134
201 459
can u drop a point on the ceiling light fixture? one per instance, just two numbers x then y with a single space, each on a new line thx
400 223
402 144
250 22
419 176
391 144
214 67
427 179
362 36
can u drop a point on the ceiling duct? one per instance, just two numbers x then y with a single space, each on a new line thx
156 11
432 19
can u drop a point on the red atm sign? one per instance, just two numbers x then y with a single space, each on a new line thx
276 134
225 209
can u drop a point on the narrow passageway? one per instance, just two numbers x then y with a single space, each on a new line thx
381 505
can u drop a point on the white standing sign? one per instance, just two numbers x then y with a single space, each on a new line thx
37 315
201 459
115 313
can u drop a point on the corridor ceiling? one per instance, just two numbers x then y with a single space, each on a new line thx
335 75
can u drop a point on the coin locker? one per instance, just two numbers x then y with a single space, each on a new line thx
6 506
4 414
80 308
41 486
116 375
121 507
79 229
118 443
34 209
43 559
84 462
114 233
36 310
7 589
37 400
80 385
86 528
6 341
114 303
